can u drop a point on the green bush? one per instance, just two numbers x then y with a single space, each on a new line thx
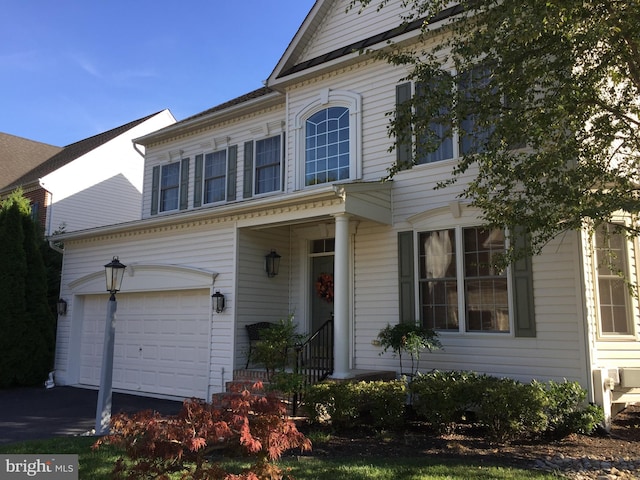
509 409
331 401
505 407
443 398
380 404
568 412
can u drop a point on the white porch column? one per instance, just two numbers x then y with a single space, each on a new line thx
341 299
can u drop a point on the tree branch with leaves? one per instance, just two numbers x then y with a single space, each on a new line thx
553 113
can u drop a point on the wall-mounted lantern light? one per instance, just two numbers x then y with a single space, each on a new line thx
218 302
62 307
272 263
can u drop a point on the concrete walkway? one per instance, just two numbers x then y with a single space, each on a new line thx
38 413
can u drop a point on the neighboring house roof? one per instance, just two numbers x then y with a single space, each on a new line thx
19 155
72 152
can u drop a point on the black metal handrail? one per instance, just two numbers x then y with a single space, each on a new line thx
314 359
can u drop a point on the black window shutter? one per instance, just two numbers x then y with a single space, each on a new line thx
403 146
232 174
247 191
184 184
155 189
522 283
197 182
406 277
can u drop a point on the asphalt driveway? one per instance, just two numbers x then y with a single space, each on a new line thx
38 413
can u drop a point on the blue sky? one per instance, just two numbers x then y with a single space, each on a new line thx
70 69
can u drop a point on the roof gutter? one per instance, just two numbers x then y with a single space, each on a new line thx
238 208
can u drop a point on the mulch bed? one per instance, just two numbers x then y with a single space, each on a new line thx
468 441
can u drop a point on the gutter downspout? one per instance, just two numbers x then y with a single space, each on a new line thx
53 246
135 147
49 208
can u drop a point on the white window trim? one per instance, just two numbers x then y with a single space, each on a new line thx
203 201
633 319
162 167
267 136
455 132
457 217
325 99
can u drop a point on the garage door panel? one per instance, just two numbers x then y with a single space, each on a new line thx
161 342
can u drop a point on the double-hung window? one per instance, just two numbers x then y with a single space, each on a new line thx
614 299
263 166
169 186
215 176
268 165
472 135
459 286
439 139
438 134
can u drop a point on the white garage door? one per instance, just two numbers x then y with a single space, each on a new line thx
161 342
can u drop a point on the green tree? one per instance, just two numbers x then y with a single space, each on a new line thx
550 114
26 321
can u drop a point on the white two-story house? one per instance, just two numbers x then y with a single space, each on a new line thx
296 167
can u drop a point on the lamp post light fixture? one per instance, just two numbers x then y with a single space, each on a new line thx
272 263
218 301
114 272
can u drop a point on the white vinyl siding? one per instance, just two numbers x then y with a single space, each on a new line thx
202 247
555 353
336 29
264 299
230 137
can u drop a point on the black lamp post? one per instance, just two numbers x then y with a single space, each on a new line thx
272 263
114 272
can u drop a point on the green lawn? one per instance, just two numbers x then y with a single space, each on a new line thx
96 465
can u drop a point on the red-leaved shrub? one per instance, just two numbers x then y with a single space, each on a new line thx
248 421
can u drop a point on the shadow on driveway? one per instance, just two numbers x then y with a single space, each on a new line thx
38 413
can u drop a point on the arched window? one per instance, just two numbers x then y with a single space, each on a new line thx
326 155
328 139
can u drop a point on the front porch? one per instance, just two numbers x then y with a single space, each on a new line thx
315 242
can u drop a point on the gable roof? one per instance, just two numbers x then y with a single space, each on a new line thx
72 152
289 65
19 155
